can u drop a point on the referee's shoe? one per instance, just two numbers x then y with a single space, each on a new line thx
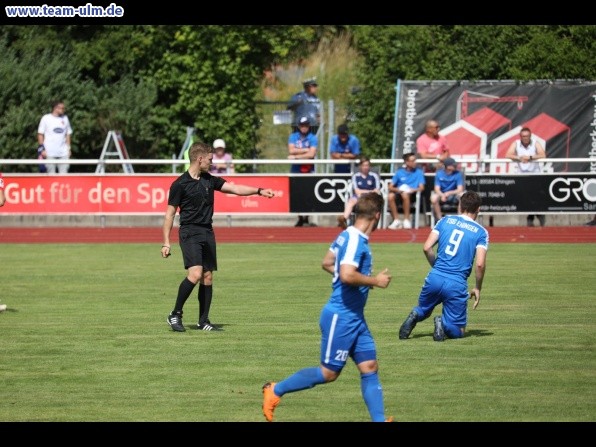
207 326
175 321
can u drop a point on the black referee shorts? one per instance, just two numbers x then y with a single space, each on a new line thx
198 247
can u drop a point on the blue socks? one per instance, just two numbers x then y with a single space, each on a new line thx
372 392
300 380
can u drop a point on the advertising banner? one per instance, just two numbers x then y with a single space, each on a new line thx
481 119
126 194
301 194
550 193
540 193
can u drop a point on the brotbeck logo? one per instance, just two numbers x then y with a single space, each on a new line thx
562 189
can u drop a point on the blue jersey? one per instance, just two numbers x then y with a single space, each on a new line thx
351 146
413 178
350 247
369 182
459 236
302 141
448 182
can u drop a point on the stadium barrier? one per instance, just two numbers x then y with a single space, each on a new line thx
319 194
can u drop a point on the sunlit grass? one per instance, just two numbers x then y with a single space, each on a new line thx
85 337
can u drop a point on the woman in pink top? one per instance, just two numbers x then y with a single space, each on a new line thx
222 161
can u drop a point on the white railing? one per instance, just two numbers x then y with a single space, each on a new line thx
482 163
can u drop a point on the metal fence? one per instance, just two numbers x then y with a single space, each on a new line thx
282 165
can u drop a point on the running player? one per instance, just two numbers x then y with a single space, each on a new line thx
344 331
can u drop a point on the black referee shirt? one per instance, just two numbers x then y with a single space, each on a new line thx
195 197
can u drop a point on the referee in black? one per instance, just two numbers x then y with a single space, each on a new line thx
194 194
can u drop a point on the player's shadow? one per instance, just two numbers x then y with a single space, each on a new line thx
469 333
478 333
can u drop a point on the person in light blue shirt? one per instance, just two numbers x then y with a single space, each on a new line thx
344 146
344 332
406 183
449 185
462 244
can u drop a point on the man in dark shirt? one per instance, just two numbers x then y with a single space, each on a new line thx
194 194
306 103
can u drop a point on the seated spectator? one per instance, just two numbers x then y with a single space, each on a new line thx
344 147
406 182
363 182
222 160
449 186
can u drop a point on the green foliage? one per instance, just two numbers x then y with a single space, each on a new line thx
31 77
152 81
28 85
210 75
85 339
388 53
555 52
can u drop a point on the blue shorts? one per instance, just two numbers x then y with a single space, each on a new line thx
451 292
343 336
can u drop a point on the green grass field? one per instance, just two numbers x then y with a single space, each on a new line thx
85 337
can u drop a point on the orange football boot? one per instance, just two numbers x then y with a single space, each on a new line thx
270 401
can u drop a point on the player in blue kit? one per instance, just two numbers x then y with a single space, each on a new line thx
344 332
461 240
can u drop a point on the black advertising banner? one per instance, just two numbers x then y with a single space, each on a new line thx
318 193
538 193
481 119
543 193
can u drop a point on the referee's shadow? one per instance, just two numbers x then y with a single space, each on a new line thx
194 327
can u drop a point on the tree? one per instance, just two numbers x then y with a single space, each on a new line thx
209 76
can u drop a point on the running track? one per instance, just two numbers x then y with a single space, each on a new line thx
53 235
